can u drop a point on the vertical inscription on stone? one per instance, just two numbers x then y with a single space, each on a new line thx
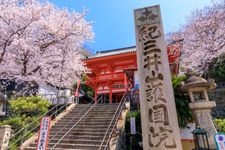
159 123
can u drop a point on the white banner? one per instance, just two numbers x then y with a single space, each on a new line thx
43 133
132 126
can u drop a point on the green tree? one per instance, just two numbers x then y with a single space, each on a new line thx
24 118
181 99
217 69
29 106
84 88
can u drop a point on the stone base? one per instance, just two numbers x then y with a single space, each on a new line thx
203 119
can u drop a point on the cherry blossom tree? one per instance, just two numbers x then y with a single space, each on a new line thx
41 43
202 37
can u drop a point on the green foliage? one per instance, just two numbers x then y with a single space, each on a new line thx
183 112
29 106
216 69
25 111
135 138
219 124
177 80
16 122
87 90
135 114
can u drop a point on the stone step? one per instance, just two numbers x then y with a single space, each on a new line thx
93 111
75 120
78 133
84 110
82 146
78 136
61 146
60 126
80 129
34 148
87 119
104 104
81 123
96 106
87 134
92 115
100 104
66 121
81 137
73 141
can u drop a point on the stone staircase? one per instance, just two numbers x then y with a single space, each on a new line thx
88 133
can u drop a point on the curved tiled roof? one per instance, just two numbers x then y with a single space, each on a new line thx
113 52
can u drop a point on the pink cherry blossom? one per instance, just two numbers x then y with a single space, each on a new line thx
42 43
202 37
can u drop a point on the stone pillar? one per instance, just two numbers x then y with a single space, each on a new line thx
197 87
160 129
5 131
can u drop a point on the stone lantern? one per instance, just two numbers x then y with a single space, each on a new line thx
197 88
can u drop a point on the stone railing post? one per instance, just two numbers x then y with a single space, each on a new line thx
5 132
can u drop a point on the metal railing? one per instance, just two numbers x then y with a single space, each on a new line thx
114 120
34 127
56 99
68 124
75 124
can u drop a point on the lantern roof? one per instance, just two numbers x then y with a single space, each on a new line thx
195 80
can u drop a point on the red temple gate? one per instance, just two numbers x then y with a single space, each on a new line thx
113 71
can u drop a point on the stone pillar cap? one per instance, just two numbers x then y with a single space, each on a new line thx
5 126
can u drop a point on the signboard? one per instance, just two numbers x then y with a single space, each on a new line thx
43 133
136 80
158 112
220 141
132 126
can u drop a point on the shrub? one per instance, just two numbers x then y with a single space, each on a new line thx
25 111
183 112
219 124
29 106
137 137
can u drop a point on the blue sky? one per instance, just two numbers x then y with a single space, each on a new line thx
113 20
